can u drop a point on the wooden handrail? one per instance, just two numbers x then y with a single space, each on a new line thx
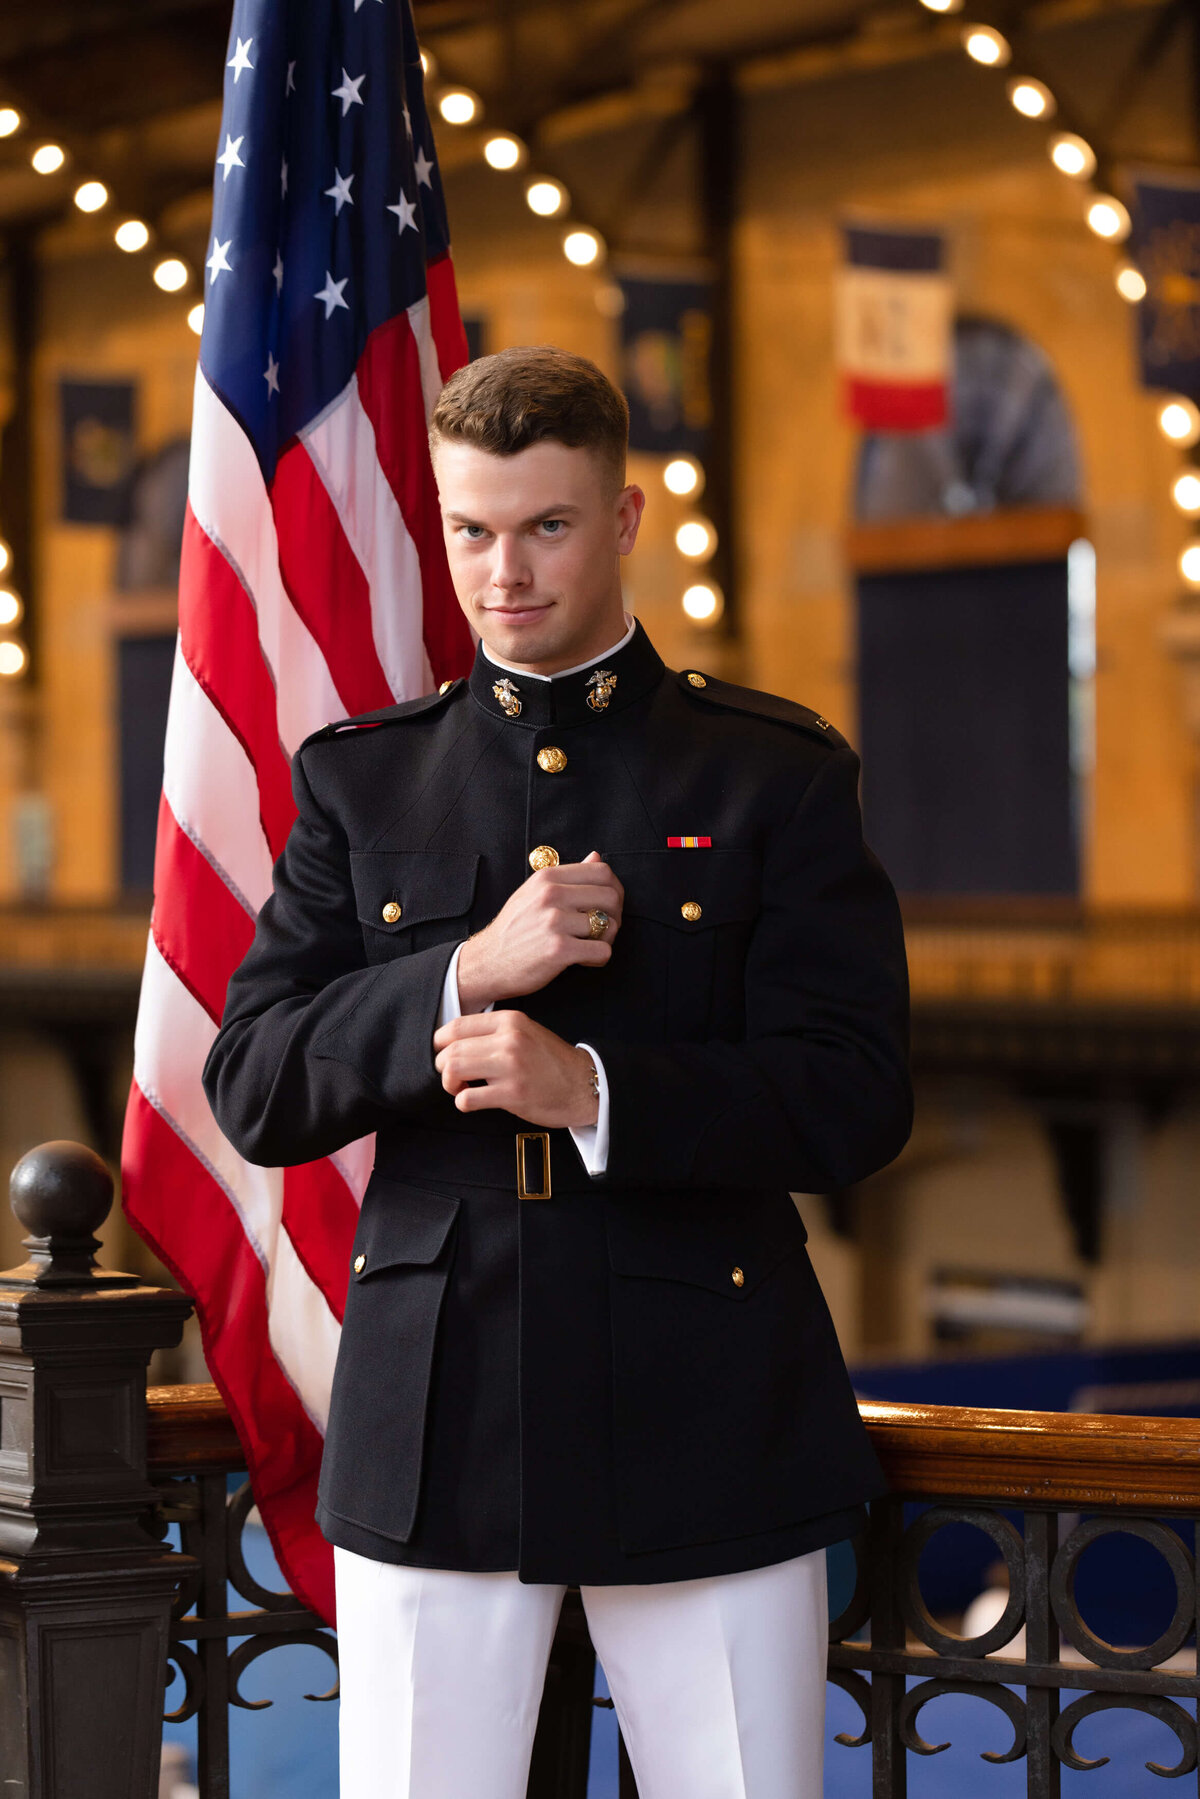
1083 1461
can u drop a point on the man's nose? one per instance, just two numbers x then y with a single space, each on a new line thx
510 568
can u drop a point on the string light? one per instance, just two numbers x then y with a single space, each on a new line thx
943 6
90 196
48 158
458 106
132 235
1031 98
5 557
10 608
704 603
683 476
428 64
1179 420
10 120
171 274
1072 155
583 247
504 151
546 197
984 44
695 539
1186 494
1131 283
1108 219
1189 564
195 318
13 659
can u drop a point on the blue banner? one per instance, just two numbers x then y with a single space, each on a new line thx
666 338
1165 244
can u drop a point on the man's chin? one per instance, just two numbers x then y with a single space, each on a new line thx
523 637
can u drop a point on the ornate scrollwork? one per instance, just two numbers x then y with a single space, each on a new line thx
858 1607
253 1647
860 1691
1002 1698
1172 1715
192 1674
1062 1592
237 1510
916 1612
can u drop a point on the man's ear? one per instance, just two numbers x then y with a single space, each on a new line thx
631 503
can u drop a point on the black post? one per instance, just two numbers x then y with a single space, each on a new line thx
85 1591
889 1758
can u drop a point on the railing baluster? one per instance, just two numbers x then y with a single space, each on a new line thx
889 1761
1043 1773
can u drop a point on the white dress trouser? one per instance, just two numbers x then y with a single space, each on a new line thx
718 1684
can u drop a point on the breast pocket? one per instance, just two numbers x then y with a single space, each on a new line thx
689 915
411 899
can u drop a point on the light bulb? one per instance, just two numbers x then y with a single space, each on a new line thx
503 151
195 318
703 603
1031 98
583 247
943 5
1108 219
1072 155
90 196
428 64
695 539
984 44
10 608
47 158
684 476
1131 283
132 235
13 658
1186 494
10 120
1179 419
1189 565
5 557
458 106
546 197
171 274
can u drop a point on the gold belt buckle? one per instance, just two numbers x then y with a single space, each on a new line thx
524 1137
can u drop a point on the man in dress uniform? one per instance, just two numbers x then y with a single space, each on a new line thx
597 951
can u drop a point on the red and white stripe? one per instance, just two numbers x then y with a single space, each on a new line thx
324 595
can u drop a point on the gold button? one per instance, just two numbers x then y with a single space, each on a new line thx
552 760
543 857
739 1279
445 686
697 681
692 910
360 1263
391 912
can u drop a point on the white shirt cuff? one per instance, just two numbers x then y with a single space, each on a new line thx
451 1006
591 1140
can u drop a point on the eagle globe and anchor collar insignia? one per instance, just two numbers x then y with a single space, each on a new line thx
506 693
603 683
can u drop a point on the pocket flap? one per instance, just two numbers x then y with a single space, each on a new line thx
400 1224
660 884
411 886
705 1240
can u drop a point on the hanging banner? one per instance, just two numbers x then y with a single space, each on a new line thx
98 445
895 315
666 338
1165 244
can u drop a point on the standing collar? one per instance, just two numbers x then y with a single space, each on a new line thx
604 685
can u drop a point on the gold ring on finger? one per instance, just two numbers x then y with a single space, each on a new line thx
598 922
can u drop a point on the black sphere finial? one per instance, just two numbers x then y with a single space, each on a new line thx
62 1193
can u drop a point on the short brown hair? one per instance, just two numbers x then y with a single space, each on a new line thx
504 403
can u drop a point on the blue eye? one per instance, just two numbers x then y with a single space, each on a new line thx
466 530
554 525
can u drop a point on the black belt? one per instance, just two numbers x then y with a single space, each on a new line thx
534 1163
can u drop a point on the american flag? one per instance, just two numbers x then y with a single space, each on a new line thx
314 584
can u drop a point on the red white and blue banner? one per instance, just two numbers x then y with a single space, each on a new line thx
895 317
1165 244
313 584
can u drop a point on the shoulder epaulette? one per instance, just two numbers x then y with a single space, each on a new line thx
385 715
708 688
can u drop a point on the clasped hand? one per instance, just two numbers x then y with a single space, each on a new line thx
540 930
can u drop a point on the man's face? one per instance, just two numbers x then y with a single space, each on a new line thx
534 542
